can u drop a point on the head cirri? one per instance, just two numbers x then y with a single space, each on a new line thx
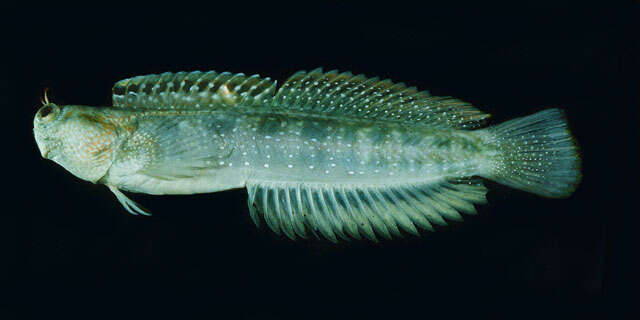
78 138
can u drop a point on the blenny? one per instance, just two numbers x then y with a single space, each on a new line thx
329 154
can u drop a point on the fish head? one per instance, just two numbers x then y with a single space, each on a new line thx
79 138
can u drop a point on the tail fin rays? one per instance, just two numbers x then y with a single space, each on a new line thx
536 154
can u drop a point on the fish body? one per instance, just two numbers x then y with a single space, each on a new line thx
329 154
272 147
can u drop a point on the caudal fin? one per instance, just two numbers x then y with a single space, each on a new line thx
536 154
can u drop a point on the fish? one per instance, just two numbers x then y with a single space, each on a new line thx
327 154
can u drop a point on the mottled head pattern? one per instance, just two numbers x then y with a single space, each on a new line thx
77 138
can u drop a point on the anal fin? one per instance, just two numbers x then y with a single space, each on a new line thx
353 212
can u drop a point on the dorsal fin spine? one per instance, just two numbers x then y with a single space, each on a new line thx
299 85
197 89
328 89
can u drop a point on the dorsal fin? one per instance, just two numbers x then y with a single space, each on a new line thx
334 94
346 95
192 90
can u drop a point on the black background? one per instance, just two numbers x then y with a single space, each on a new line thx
76 251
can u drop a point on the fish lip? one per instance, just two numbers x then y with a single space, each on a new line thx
44 153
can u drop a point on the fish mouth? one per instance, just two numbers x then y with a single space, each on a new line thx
42 147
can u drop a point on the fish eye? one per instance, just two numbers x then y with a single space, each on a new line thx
47 112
